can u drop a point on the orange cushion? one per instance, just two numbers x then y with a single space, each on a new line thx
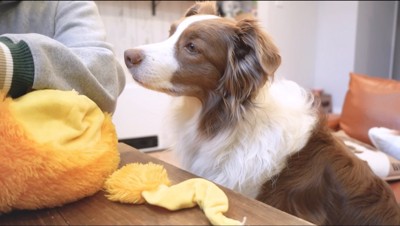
370 102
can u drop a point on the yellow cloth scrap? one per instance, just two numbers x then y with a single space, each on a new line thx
192 192
124 186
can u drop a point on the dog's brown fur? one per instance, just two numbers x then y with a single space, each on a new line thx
323 183
225 70
326 184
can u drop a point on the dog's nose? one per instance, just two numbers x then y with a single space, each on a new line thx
133 56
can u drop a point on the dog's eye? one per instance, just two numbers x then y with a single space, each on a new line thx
191 48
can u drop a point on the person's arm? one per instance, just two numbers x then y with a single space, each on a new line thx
77 57
16 67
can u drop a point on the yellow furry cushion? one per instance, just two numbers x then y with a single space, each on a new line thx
55 147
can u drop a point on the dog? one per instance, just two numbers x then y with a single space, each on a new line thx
240 127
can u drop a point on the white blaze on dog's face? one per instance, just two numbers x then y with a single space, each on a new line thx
207 57
161 66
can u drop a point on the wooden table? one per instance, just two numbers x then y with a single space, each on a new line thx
97 210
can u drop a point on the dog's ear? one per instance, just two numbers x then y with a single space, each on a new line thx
252 59
206 7
257 41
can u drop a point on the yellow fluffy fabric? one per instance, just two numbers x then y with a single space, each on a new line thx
127 184
55 147
138 183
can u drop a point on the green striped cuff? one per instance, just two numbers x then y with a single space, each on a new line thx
22 66
6 68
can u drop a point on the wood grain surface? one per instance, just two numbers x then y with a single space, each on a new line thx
98 210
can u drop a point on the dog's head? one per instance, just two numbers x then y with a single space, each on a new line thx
206 55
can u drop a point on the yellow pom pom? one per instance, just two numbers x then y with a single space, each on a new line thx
127 184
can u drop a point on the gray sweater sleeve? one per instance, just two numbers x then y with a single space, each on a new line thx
77 57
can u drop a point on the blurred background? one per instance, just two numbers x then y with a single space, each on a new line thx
321 42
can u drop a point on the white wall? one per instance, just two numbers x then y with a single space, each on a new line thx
317 42
293 27
336 40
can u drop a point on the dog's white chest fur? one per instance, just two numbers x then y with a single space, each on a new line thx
245 156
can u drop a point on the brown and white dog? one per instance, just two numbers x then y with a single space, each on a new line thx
239 127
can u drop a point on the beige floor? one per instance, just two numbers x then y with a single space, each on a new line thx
166 156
